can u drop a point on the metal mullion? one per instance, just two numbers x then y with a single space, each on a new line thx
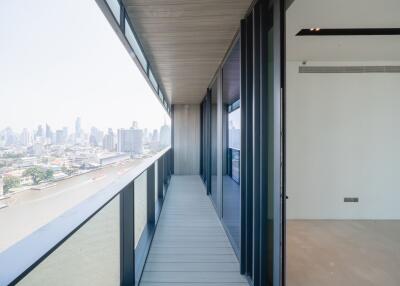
243 171
264 151
127 235
160 178
172 150
150 195
249 151
256 146
278 33
201 139
208 113
122 15
165 173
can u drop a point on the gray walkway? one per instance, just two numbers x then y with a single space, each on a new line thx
190 246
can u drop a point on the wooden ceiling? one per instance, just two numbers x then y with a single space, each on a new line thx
186 40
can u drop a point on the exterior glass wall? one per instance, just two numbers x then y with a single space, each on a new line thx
79 113
231 144
214 143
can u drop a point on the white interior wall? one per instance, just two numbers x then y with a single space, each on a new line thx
343 140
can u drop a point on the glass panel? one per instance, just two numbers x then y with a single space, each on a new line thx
91 256
161 95
231 144
89 115
214 112
153 80
135 45
115 9
204 137
234 145
140 205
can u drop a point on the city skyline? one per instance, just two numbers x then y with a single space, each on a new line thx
95 77
85 127
45 134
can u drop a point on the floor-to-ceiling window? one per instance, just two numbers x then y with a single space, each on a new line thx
231 144
77 114
214 144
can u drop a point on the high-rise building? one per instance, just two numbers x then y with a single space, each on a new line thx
108 140
9 137
39 132
96 137
130 141
154 137
60 139
49 135
234 136
145 136
78 127
79 138
25 137
165 135
65 133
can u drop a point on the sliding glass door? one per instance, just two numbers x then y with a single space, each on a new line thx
231 145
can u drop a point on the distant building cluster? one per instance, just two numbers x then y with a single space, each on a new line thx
234 136
51 155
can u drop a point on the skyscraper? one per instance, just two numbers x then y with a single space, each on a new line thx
154 137
108 140
49 134
78 128
25 138
165 135
39 132
65 133
130 141
96 137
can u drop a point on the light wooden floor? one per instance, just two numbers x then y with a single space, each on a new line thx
343 252
190 246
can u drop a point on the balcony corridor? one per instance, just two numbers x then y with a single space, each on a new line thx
190 246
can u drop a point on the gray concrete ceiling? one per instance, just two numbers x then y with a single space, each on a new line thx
186 40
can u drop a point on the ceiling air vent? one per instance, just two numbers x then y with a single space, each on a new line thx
349 69
351 200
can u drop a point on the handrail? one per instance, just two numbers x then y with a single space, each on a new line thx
19 259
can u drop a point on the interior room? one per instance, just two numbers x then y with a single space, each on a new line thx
342 143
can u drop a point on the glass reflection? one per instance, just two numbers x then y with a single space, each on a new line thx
231 145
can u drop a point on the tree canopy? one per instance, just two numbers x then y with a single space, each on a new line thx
10 182
38 174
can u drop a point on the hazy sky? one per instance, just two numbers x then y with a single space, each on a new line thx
60 59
